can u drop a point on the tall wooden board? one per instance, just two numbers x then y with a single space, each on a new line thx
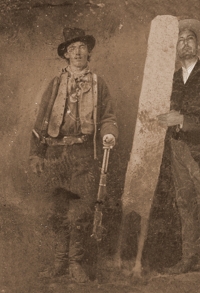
148 142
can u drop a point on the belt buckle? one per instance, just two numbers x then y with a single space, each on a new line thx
67 140
48 141
84 138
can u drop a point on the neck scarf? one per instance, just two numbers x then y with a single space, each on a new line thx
78 83
72 86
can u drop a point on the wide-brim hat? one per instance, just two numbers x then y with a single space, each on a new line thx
72 35
191 24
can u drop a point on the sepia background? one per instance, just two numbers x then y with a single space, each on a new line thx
30 33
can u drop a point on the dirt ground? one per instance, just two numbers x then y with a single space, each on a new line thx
164 284
27 255
187 283
30 33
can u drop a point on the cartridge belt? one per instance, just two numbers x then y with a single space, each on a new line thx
66 140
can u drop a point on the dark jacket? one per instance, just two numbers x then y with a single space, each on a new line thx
106 119
186 99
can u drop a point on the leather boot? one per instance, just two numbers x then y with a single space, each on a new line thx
60 264
61 253
76 254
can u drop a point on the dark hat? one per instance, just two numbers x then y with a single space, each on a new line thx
72 35
191 24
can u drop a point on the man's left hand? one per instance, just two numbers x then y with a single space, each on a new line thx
170 119
109 140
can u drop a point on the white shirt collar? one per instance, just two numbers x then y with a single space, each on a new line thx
187 71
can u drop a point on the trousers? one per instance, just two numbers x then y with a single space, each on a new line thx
72 172
186 175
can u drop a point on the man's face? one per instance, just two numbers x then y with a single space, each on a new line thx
187 46
77 53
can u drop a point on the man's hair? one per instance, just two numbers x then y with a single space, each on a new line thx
89 51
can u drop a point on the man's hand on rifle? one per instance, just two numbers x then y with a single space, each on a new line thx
109 140
37 164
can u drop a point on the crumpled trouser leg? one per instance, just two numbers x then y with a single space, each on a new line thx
187 183
76 251
61 251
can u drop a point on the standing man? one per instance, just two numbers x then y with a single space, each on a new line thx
184 134
75 115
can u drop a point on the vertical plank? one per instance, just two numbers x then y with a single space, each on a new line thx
148 142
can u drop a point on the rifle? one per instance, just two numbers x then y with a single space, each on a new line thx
97 224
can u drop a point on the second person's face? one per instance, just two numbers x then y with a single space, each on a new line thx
187 46
77 53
